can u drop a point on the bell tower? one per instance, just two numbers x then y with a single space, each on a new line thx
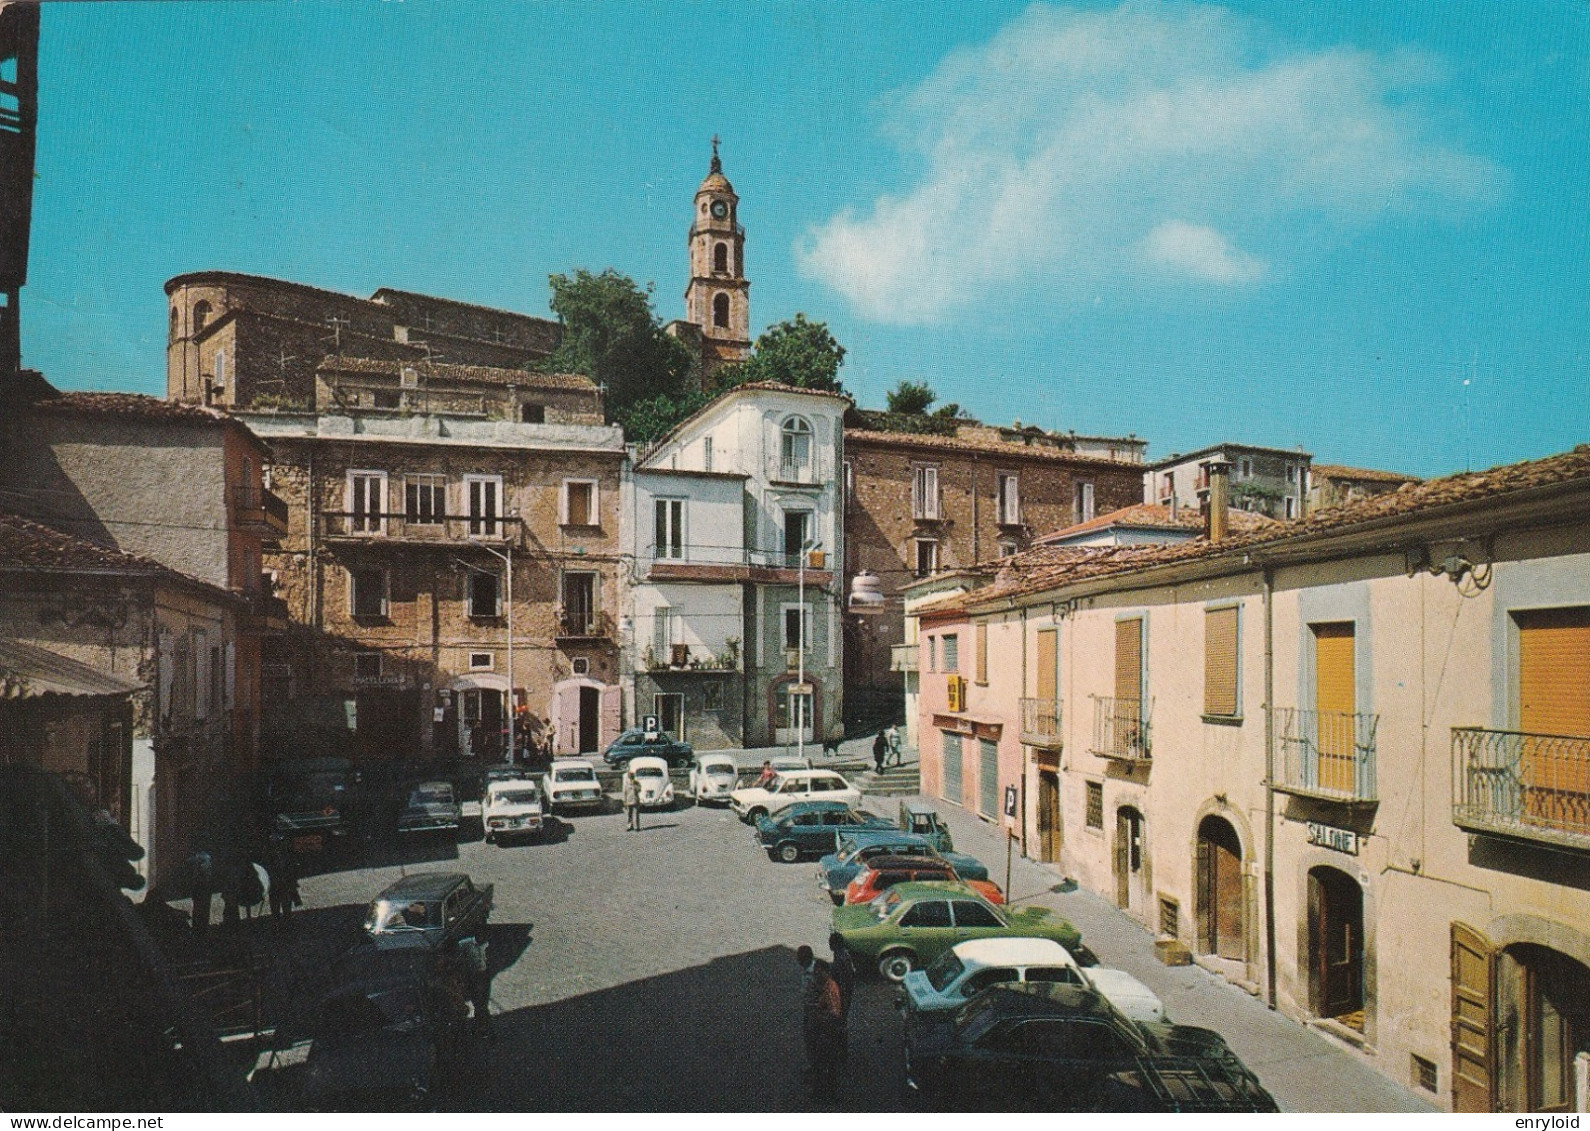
718 299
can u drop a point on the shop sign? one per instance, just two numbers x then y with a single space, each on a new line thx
1333 838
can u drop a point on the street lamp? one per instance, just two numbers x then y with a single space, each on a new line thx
807 549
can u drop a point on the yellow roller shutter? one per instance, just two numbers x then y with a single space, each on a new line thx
1048 665
1554 699
1335 700
1220 661
1129 660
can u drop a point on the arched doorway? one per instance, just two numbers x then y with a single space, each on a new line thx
1220 901
481 716
1129 860
584 715
1336 946
1543 1022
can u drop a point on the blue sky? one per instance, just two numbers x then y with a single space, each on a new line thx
1275 223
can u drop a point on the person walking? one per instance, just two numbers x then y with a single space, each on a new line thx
631 801
477 982
892 734
880 749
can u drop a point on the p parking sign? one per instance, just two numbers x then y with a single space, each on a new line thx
649 724
1010 801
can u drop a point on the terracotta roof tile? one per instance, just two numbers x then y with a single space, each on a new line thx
1153 516
29 545
337 363
1367 474
951 444
132 404
1045 567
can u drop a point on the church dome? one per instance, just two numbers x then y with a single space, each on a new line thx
716 181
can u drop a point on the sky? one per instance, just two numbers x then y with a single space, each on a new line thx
1271 223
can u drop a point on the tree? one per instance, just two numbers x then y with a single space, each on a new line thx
799 353
649 419
911 398
612 335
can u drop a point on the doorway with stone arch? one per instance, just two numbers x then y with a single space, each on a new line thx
1220 901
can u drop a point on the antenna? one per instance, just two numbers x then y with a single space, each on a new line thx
337 326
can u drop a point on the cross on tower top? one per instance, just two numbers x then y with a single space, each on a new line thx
717 165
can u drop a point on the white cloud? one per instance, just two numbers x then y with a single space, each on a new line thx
1199 252
1081 148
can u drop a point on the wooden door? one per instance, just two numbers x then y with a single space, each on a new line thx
1049 816
1128 859
1336 942
1554 700
1473 1049
590 719
1335 704
1221 899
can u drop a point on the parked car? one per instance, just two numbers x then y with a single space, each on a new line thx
712 778
921 818
789 787
885 872
968 968
636 743
809 828
1053 1046
858 849
656 791
511 808
309 803
427 909
432 806
911 925
570 783
387 1036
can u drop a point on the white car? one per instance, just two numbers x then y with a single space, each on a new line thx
511 808
970 967
570 783
713 777
790 787
651 781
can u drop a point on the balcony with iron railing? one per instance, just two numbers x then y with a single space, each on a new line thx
1040 723
1120 730
399 527
903 658
583 624
655 658
260 510
1527 786
1327 755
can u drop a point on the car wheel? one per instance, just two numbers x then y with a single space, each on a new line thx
755 815
789 853
896 964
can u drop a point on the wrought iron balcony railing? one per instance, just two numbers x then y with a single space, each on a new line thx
1327 754
1040 722
582 623
1531 786
1120 729
398 526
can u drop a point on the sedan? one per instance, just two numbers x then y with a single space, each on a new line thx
511 808
911 925
571 784
886 872
432 806
636 743
860 848
810 828
426 910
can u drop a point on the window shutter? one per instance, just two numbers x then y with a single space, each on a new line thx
1048 665
1554 671
982 653
563 504
1220 662
1129 660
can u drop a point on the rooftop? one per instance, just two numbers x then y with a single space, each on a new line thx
27 671
1153 516
994 447
137 406
31 547
338 363
1366 474
1176 458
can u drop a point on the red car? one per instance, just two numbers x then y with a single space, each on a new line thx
886 871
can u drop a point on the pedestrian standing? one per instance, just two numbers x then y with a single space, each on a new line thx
822 1020
201 881
477 981
892 733
631 801
283 871
880 747
843 969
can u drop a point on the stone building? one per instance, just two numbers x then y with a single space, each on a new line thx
410 637
1331 484
246 341
1343 762
155 651
1271 481
717 322
918 503
778 451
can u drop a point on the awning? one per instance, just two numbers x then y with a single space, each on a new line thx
28 671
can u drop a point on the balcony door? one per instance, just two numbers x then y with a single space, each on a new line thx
1335 704
1554 699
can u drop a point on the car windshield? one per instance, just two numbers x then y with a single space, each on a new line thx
721 770
432 795
574 773
648 772
514 797
388 916
945 970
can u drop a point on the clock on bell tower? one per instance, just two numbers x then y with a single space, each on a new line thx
718 299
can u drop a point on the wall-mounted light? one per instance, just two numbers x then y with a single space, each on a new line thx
866 593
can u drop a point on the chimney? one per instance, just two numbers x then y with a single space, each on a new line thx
1216 517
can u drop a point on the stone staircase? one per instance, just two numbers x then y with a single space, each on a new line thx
895 781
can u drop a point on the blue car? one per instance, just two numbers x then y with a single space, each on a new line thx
636 743
835 871
810 828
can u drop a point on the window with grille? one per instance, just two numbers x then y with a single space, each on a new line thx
1009 500
925 492
706 453
1221 684
668 533
1423 1073
367 592
424 499
579 502
952 652
1095 813
485 591
366 502
1169 917
485 505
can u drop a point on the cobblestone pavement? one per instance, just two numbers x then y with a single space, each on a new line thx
655 971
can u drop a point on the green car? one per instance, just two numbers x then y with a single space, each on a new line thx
910 925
